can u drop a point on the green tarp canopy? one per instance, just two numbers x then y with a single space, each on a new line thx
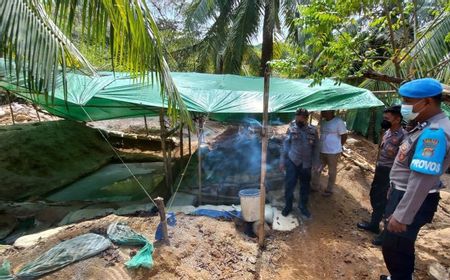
220 97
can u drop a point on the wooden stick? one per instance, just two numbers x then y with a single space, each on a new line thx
145 122
8 93
189 141
199 143
163 146
37 112
262 193
181 141
162 214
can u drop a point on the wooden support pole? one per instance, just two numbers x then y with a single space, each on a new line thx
162 214
199 144
264 140
8 94
163 147
181 140
189 142
37 112
146 126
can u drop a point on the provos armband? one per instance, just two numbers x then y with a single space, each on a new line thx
430 151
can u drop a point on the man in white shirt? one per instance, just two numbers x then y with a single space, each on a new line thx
333 134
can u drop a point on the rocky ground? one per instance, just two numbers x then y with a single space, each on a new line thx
329 246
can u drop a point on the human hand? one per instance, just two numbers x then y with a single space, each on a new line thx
282 167
395 226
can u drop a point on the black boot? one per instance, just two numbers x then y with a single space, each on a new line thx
286 211
369 227
378 241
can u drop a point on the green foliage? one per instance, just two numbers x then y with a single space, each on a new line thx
355 39
36 35
230 27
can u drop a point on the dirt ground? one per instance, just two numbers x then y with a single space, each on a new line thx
329 246
326 247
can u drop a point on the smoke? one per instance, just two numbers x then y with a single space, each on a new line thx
237 152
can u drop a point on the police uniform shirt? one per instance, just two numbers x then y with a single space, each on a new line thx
417 185
389 146
301 145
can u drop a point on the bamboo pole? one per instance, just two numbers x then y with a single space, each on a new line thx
262 193
163 146
162 214
181 140
146 126
189 142
37 112
199 141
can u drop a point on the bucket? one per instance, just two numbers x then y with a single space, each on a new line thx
249 204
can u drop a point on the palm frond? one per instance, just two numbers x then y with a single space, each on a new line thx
200 11
245 26
429 57
37 47
212 46
127 26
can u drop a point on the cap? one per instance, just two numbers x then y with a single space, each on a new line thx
421 88
302 112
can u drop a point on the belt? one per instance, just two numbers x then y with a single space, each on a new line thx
404 189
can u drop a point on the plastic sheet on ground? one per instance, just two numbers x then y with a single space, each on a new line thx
63 254
217 214
171 221
122 234
5 271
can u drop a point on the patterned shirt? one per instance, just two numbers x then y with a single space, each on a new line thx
389 146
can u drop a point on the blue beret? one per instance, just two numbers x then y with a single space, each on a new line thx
421 88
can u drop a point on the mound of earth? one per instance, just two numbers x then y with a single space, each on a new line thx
200 248
36 158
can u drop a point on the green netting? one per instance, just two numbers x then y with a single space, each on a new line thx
221 97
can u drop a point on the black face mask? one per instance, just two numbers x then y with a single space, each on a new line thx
300 124
385 124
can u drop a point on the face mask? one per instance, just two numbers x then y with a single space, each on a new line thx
407 112
300 124
385 124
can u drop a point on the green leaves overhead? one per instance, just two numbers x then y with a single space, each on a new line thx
126 27
245 26
232 25
30 39
382 40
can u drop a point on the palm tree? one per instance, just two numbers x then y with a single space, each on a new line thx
429 55
231 26
36 36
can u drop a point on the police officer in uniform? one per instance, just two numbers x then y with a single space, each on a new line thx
415 176
299 154
392 138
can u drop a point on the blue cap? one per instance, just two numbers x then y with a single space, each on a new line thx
421 88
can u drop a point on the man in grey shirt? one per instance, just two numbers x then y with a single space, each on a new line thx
392 138
299 154
415 176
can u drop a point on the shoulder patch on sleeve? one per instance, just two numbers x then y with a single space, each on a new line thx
430 152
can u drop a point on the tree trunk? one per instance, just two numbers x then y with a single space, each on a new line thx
267 43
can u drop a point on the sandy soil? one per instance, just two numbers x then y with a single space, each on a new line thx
327 247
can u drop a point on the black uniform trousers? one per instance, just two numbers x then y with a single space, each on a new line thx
398 248
294 174
378 193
